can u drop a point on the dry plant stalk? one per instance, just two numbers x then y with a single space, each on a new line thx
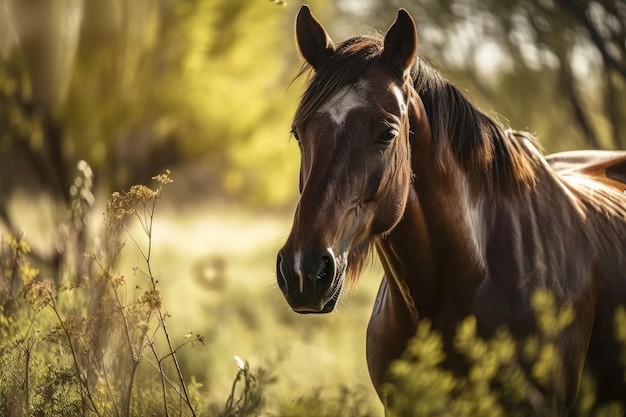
99 333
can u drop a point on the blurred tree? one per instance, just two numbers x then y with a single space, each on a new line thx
557 67
134 87
179 81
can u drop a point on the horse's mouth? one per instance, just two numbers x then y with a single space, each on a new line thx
337 288
335 291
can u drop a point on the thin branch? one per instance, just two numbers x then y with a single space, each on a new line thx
158 369
136 244
161 316
163 379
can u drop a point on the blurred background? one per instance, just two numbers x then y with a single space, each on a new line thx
98 96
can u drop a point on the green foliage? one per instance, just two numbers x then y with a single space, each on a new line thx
152 85
496 383
249 400
423 357
18 123
347 402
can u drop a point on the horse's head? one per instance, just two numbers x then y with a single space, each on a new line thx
352 128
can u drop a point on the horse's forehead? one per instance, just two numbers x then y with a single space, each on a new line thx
397 92
346 100
356 96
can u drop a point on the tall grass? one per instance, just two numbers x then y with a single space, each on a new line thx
100 343
73 345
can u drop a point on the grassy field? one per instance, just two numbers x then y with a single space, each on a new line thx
216 268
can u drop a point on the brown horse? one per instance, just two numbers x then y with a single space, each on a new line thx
466 217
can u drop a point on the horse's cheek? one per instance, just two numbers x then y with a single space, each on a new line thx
392 205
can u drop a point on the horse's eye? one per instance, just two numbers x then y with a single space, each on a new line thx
295 135
388 136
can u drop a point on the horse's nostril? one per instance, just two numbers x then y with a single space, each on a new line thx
282 282
327 269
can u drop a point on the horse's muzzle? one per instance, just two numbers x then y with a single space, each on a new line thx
309 281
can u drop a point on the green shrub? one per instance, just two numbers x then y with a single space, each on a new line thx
496 383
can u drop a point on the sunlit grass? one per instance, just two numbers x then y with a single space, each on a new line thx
216 266
209 272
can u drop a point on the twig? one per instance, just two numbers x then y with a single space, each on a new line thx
169 382
84 384
161 316
163 379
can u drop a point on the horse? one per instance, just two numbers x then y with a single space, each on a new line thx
467 217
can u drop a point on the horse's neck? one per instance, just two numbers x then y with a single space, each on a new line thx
433 257
405 252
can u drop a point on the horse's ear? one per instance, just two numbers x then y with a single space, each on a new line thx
400 43
313 42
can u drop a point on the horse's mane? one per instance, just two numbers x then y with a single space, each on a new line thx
495 159
492 156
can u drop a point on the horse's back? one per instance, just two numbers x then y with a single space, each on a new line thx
600 176
608 167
